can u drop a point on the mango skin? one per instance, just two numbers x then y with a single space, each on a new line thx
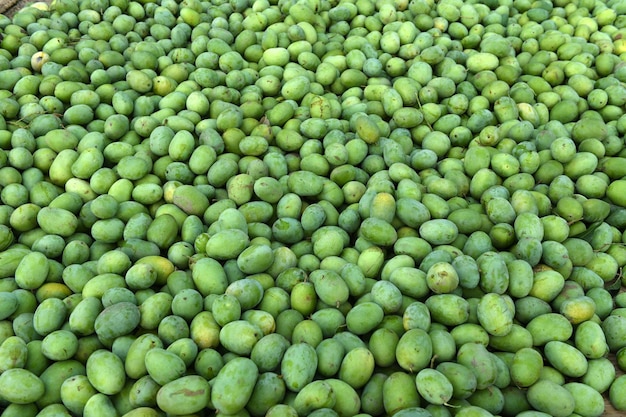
298 366
588 401
461 377
233 385
590 340
414 350
13 353
616 393
314 396
269 390
75 392
371 398
399 392
439 231
186 395
434 386
240 336
53 377
57 221
364 317
227 244
566 358
495 315
190 200
20 386
357 367
348 402
549 326
476 357
330 353
32 271
268 352
378 231
616 192
49 316
164 366
117 320
552 398
105 371
526 367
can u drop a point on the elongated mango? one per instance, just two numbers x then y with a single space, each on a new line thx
233 385
185 395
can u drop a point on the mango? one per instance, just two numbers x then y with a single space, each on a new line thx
21 386
185 395
233 385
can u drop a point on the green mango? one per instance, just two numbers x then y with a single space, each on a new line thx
298 366
233 386
105 371
163 365
314 396
21 386
117 320
551 398
434 386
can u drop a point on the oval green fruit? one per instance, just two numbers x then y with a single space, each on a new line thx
551 398
588 401
414 350
233 385
364 317
357 367
57 221
105 371
526 367
566 358
495 314
20 386
32 271
164 366
399 392
240 336
434 386
298 366
117 320
314 396
439 231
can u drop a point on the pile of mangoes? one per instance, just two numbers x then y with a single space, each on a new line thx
325 208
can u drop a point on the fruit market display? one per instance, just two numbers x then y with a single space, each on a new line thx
325 208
